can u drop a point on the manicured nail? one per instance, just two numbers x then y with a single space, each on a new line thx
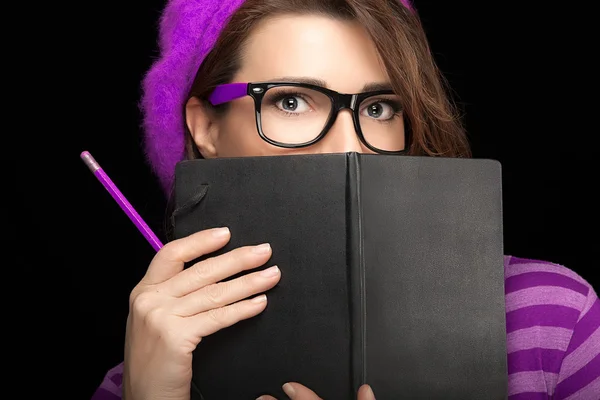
261 298
262 248
220 232
270 272
289 390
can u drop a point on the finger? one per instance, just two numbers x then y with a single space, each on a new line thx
217 268
216 319
171 258
266 397
365 393
296 391
222 294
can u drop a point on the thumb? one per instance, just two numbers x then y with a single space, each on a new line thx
296 391
365 393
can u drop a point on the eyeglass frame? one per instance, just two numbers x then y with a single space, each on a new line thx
231 91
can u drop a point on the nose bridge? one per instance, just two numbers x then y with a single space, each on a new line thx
345 101
342 136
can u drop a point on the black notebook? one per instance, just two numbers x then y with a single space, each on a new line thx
392 275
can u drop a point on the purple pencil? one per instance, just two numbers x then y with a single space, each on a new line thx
121 200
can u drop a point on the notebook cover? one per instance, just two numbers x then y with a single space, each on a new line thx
392 274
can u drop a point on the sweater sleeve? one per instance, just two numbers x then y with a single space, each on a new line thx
553 332
579 375
111 386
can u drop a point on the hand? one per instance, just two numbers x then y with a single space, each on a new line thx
296 391
172 309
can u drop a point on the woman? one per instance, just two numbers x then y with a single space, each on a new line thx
311 47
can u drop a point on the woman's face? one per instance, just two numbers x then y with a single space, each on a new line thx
339 54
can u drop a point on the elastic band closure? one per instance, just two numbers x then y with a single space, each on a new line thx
189 204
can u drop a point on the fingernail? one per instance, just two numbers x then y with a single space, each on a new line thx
262 248
220 232
270 272
259 299
370 394
289 390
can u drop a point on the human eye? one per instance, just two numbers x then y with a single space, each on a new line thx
381 109
289 102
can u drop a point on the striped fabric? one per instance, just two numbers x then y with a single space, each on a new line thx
552 332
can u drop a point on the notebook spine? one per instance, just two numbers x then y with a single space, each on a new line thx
356 271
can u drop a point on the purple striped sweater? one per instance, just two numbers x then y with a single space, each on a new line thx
552 332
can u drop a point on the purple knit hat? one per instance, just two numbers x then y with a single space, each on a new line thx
188 30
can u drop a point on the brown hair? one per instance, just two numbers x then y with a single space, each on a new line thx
433 119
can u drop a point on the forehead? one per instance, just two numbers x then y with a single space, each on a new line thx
339 52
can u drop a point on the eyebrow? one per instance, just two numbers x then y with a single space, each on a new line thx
369 87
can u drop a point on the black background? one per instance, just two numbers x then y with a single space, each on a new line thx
518 72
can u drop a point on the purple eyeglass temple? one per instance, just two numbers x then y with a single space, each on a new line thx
227 92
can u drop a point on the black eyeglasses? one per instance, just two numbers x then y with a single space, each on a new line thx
295 115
